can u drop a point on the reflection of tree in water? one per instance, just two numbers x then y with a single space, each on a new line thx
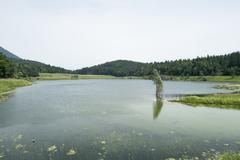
159 87
157 108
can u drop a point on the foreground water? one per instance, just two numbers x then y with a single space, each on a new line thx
113 119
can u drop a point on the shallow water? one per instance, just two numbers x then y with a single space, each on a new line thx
113 119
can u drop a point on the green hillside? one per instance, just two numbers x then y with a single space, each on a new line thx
8 54
12 66
119 68
222 65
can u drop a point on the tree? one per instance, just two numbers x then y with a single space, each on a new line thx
6 67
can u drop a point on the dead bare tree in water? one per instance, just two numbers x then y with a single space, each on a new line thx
158 82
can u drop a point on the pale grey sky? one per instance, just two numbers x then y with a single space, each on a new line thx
79 33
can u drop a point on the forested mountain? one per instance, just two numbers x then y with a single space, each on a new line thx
28 68
13 66
118 68
8 54
228 64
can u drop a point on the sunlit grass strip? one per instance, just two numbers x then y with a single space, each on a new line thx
214 100
63 76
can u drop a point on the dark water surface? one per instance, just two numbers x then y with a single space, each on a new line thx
112 119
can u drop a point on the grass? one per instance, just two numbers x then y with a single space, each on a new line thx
213 100
204 78
7 85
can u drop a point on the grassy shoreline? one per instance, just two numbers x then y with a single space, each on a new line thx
63 76
204 78
231 101
8 85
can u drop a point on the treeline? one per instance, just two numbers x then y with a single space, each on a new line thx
18 68
205 66
119 68
202 66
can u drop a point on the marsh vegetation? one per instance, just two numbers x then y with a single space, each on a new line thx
213 100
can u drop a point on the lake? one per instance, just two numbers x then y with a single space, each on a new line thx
113 119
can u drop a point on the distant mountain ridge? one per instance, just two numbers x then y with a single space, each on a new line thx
228 64
8 54
28 68
118 68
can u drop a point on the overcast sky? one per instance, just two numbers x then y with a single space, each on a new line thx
80 33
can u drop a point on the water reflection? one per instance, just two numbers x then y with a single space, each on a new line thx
157 107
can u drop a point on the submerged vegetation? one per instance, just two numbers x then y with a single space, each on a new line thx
7 85
213 100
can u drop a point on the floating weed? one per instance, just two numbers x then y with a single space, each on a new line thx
19 146
52 149
212 150
61 148
140 134
71 152
238 142
2 155
18 138
25 152
103 148
103 142
206 141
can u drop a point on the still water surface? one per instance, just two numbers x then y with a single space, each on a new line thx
113 119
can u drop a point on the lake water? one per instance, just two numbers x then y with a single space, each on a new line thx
113 119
